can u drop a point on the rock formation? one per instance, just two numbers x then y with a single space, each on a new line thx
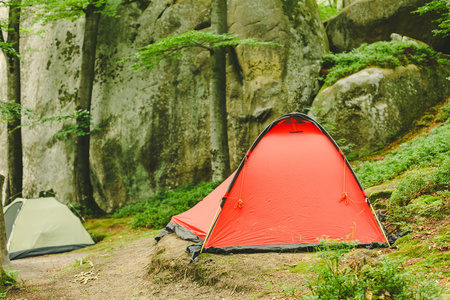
369 21
371 107
154 124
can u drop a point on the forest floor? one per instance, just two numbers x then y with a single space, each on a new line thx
129 264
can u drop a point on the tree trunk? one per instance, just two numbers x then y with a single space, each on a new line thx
220 160
346 3
83 187
14 136
4 261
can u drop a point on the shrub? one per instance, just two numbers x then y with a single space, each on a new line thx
379 54
441 178
442 8
426 205
331 279
386 279
327 11
8 281
408 189
156 211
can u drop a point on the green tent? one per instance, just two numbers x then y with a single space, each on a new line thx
42 226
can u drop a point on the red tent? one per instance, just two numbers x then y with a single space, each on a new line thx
293 188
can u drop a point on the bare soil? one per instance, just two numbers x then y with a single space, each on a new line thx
115 274
143 269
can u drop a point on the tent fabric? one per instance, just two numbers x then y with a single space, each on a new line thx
293 189
42 226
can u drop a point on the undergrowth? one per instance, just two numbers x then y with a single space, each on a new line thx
327 11
8 281
385 278
156 211
430 149
380 54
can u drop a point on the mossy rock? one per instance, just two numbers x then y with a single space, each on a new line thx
375 198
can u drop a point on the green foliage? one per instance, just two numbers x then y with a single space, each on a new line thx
443 239
327 11
421 194
157 210
83 125
331 280
8 49
443 113
408 189
441 178
429 149
171 48
8 279
426 205
83 211
50 11
442 8
334 279
379 54
10 110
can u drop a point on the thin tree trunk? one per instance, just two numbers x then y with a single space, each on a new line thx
346 3
14 139
220 161
83 187
4 261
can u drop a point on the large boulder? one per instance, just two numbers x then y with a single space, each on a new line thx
265 83
369 21
154 124
369 108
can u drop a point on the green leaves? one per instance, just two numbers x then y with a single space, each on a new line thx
157 211
49 11
11 110
83 125
334 277
327 11
441 7
379 54
430 149
172 47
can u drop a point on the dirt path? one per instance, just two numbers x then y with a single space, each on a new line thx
31 267
112 274
123 273
119 273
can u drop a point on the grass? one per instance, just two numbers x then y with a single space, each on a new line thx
425 256
115 232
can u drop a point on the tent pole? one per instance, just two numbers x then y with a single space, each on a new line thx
210 229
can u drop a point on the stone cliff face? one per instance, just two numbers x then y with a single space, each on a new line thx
154 124
369 21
